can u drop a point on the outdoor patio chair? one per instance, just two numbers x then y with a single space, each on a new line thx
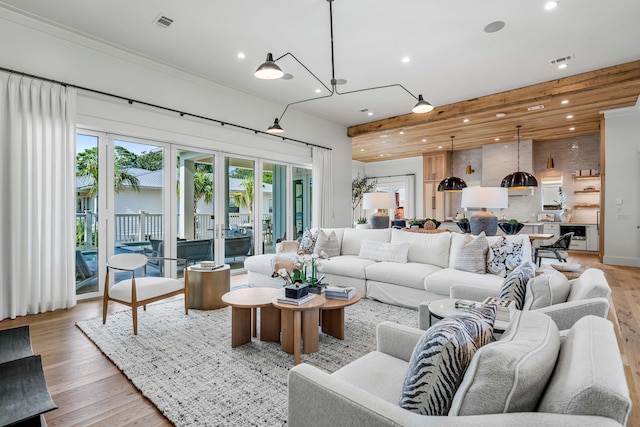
558 249
136 292
84 274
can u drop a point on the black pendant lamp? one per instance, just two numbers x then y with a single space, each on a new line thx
452 184
519 180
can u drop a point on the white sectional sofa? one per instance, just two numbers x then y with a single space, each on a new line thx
426 276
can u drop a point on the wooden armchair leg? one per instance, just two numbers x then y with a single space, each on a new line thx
105 305
135 319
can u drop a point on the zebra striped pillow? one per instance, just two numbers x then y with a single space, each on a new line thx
515 285
441 357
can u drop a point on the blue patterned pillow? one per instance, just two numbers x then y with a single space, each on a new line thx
503 257
308 242
515 285
440 359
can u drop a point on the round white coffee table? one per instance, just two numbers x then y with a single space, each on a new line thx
442 308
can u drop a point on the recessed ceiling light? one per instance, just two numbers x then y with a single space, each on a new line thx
550 5
565 101
494 27
406 59
439 147
241 55
497 139
370 113
401 133
466 120
570 116
381 155
562 66
362 149
318 90
572 128
500 115
424 140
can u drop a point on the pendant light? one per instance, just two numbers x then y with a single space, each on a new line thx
275 127
519 180
452 184
550 164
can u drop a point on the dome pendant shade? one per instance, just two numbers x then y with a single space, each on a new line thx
275 127
519 181
422 106
452 184
269 70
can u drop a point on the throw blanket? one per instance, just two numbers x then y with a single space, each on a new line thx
280 261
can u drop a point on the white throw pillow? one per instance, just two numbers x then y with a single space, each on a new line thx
378 251
546 290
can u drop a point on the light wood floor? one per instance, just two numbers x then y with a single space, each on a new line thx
90 391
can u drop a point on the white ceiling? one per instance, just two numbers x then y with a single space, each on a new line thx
452 58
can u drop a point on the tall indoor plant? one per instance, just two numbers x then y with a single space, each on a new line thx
359 186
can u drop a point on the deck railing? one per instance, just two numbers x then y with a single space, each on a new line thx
143 226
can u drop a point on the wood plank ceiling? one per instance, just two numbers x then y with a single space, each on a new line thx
588 94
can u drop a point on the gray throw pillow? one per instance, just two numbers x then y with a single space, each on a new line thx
440 359
510 375
327 243
546 290
472 255
515 285
503 257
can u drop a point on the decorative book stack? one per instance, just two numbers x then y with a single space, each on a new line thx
506 307
296 301
337 292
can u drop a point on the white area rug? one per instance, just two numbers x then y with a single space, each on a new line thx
185 364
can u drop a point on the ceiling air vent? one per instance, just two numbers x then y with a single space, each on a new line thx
163 21
560 60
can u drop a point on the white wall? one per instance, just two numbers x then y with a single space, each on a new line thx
622 187
46 51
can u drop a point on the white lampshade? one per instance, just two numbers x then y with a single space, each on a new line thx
485 197
379 200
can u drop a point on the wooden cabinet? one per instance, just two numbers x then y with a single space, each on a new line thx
593 238
435 170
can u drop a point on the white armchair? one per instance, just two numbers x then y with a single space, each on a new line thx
136 292
565 303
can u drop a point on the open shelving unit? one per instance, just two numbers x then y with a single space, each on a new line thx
587 192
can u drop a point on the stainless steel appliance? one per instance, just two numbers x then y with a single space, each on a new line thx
579 231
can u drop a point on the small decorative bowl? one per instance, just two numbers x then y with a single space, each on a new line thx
509 228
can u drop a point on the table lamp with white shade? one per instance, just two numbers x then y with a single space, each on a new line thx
379 201
484 198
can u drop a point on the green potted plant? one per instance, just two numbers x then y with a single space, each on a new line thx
362 223
415 223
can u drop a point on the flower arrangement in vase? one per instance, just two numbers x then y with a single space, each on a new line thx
304 274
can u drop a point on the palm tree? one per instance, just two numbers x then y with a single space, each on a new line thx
202 187
244 199
87 165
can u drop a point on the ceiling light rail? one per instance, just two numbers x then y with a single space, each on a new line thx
181 113
269 70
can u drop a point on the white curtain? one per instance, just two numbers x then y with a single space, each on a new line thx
322 213
410 196
37 190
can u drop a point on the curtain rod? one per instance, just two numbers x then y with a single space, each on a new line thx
390 176
182 113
